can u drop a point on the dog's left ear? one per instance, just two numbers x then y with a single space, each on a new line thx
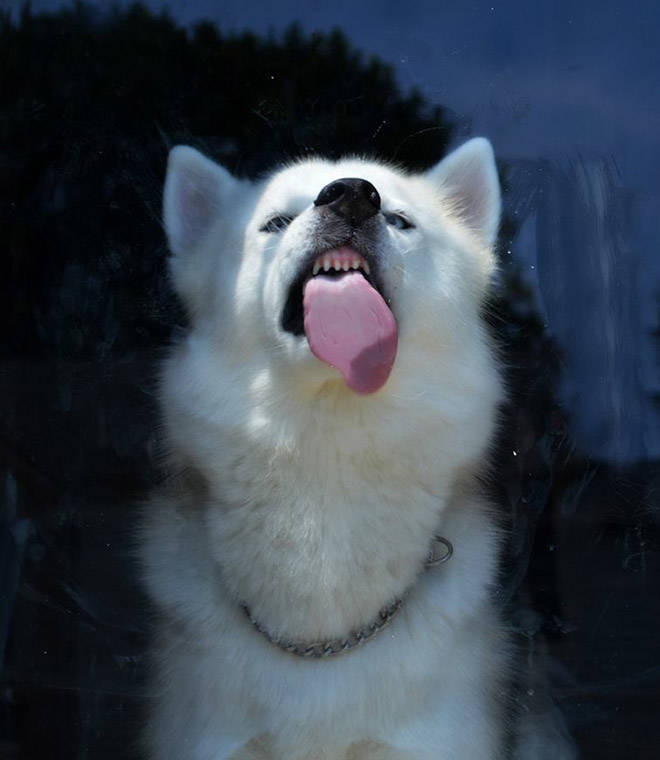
469 186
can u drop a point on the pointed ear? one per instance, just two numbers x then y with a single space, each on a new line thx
195 188
468 182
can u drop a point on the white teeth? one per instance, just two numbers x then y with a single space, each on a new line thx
326 263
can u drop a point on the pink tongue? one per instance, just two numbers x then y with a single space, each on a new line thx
348 325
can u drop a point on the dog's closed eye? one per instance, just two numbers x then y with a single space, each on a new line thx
277 223
398 220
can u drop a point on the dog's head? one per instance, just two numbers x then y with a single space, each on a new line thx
352 274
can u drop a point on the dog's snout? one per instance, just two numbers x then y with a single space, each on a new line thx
352 198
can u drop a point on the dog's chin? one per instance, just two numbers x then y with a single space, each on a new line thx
299 373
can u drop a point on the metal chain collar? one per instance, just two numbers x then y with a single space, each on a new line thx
439 552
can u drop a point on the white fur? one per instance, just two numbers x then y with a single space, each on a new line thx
315 505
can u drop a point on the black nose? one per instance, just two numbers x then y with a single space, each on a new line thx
354 199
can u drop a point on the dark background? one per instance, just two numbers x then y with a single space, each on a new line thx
90 103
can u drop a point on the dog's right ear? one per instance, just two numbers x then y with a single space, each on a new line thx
195 188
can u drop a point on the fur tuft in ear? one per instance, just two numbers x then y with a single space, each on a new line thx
195 188
467 179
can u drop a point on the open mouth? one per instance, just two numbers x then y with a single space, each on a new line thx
333 263
340 261
347 322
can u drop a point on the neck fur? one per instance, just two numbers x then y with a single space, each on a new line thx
321 509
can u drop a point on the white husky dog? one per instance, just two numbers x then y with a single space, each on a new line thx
322 562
